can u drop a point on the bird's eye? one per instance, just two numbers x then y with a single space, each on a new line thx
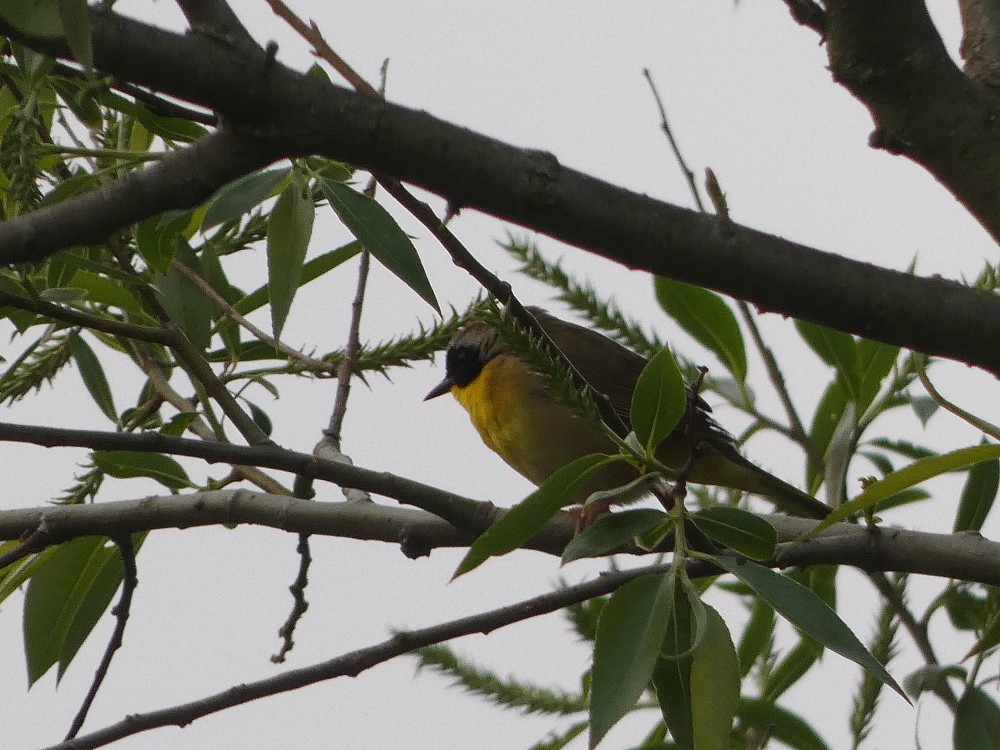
463 365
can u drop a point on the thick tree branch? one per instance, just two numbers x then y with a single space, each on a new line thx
981 40
466 514
968 557
278 112
890 56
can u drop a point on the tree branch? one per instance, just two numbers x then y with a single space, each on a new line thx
968 556
890 56
267 104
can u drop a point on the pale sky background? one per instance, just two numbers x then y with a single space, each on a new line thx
749 95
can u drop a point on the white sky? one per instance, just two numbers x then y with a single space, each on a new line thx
749 95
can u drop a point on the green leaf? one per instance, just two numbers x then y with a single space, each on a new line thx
66 597
918 471
758 635
288 232
876 360
239 196
132 464
837 349
311 271
169 128
381 236
924 407
105 291
185 303
838 455
770 720
744 532
658 401
928 677
977 722
93 376
809 613
706 316
34 17
989 639
155 243
789 670
715 686
528 517
828 415
978 496
629 636
672 676
75 18
612 531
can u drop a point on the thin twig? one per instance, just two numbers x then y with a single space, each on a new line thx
665 126
355 662
299 606
130 580
35 542
258 333
919 364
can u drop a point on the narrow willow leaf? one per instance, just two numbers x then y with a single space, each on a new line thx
131 464
672 676
156 245
990 637
978 496
239 196
715 685
792 667
66 596
828 415
612 531
288 232
929 676
918 471
37 18
838 456
744 532
658 401
837 349
771 720
184 301
381 235
97 595
876 361
977 722
629 636
93 376
528 517
75 18
312 270
706 316
757 637
809 613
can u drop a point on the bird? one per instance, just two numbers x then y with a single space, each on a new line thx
521 419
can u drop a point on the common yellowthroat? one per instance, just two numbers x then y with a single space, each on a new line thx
521 420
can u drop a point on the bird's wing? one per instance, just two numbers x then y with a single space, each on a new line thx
607 365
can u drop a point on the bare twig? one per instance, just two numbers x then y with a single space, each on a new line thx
34 541
665 126
258 333
298 588
988 428
356 662
121 612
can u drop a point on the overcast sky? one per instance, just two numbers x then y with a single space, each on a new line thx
749 95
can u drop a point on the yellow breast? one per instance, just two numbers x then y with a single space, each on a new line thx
520 420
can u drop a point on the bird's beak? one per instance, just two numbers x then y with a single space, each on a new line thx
440 389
